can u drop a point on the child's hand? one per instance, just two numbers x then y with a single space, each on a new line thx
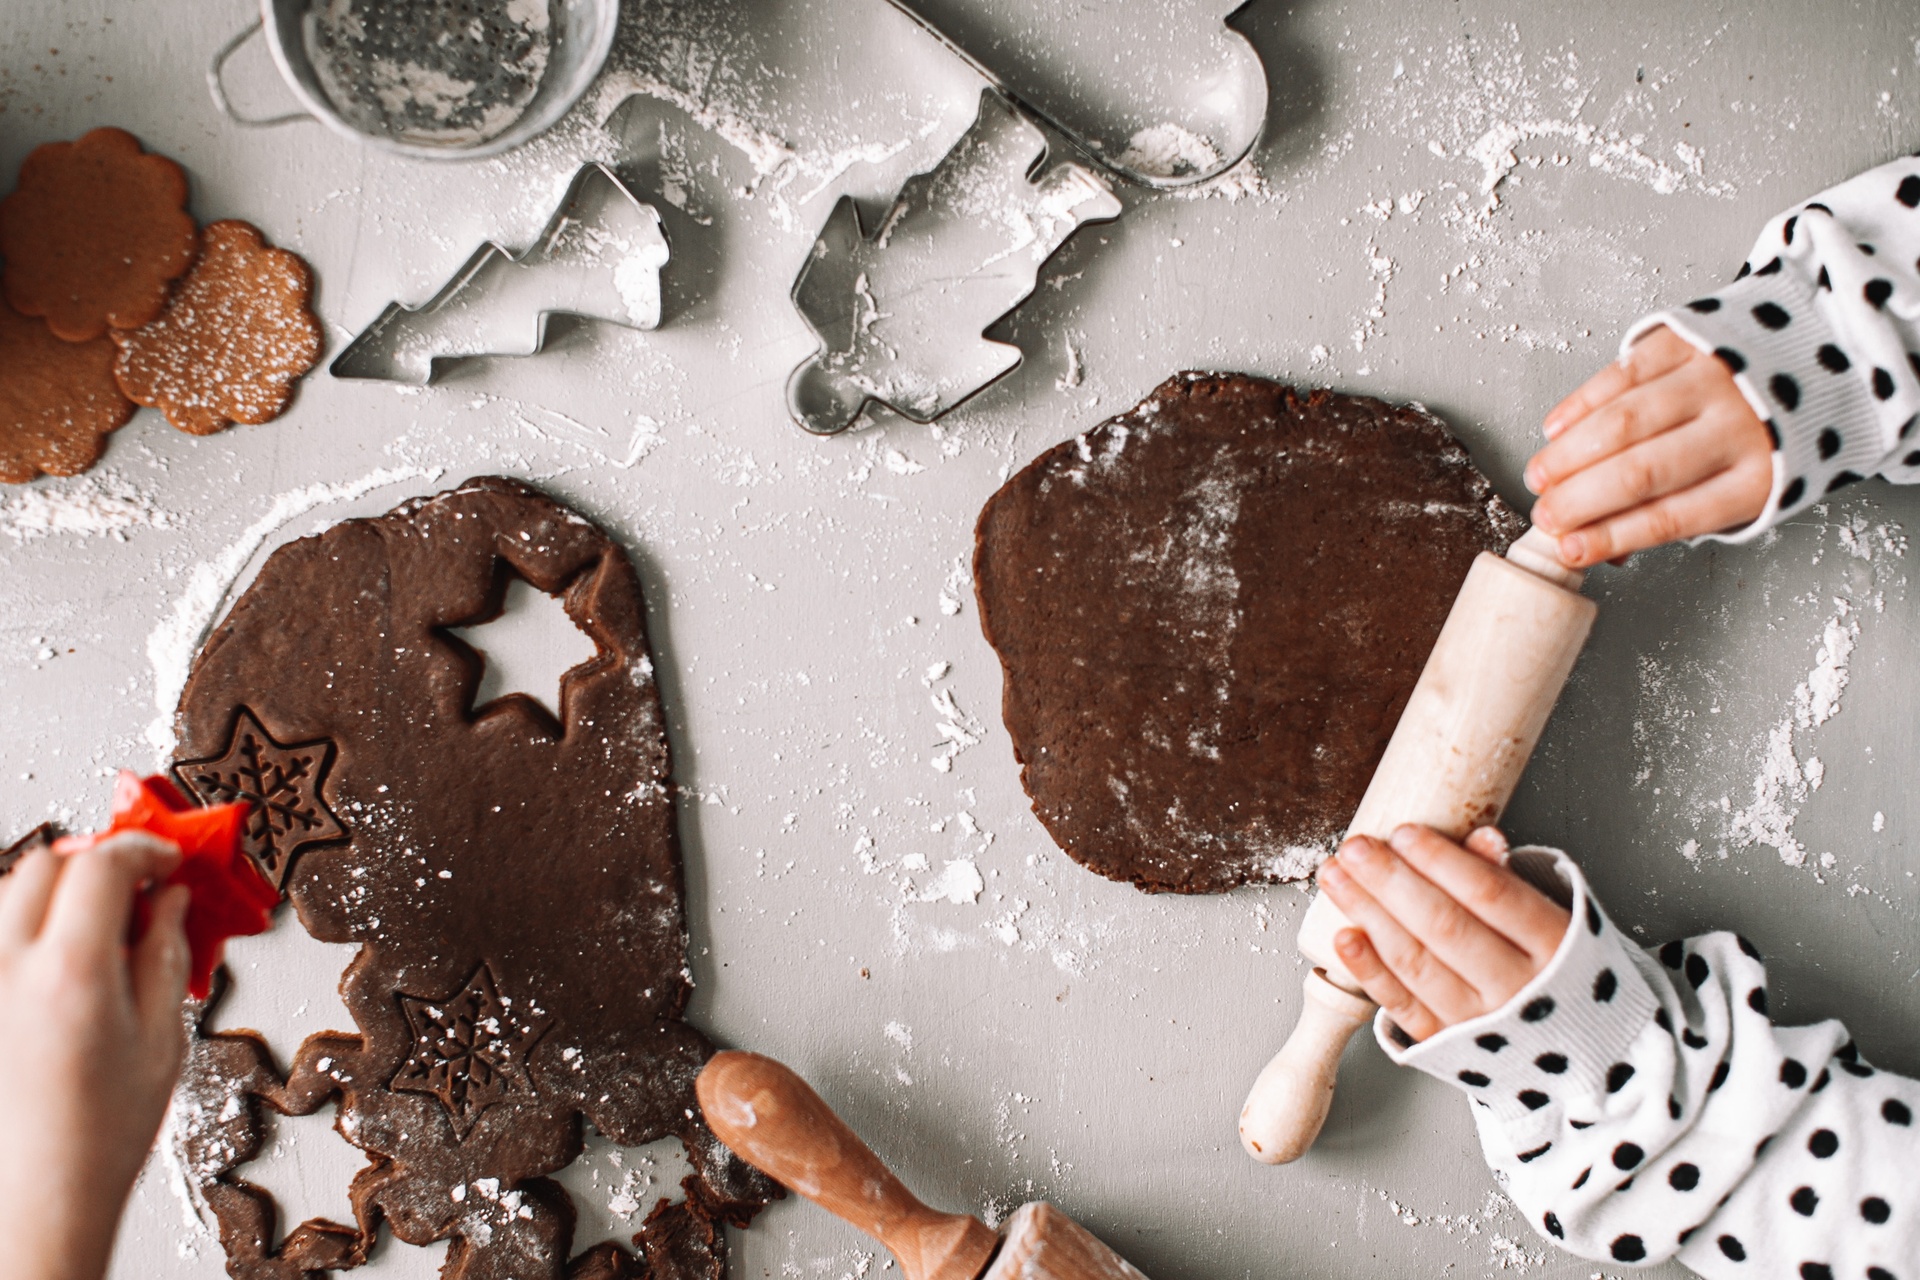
1445 933
1659 445
91 1043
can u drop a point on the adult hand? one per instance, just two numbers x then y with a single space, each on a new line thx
91 1044
1659 445
1445 932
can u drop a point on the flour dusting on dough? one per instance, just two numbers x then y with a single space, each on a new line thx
174 641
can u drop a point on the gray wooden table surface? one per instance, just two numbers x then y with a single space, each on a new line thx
1460 203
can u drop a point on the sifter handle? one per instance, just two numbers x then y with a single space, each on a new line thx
772 1119
217 85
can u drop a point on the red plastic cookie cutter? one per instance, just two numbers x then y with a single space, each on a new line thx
231 898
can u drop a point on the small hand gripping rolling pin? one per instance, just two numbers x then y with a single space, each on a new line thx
770 1118
1473 719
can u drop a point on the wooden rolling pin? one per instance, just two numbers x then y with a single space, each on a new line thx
770 1118
1473 719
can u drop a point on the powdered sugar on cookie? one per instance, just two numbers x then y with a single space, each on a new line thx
233 340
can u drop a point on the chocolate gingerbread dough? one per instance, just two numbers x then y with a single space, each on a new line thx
1210 611
514 884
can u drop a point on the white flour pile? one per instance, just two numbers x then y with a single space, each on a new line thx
1789 772
1677 731
1168 151
100 505
1785 780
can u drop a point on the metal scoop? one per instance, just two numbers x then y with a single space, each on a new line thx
1178 108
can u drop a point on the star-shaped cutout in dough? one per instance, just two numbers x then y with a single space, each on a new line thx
281 783
469 1050
527 649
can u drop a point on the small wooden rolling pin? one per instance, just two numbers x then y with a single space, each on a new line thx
1473 719
770 1118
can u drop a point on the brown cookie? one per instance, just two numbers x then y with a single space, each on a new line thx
513 883
94 233
1210 612
233 339
58 400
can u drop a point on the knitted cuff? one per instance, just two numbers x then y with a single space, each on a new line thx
1767 329
1558 1038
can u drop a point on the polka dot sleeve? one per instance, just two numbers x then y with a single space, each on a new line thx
1640 1106
1821 329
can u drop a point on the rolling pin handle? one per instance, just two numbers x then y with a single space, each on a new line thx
772 1119
1538 553
1288 1103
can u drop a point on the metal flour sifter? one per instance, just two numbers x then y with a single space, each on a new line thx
436 79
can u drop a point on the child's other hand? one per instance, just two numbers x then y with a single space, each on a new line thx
1659 445
1446 933
91 1043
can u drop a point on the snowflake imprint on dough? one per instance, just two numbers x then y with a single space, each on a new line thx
468 1051
282 783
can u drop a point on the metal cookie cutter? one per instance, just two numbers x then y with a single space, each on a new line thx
599 257
900 312
1222 90
434 79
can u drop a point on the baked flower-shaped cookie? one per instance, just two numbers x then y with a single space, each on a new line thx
233 339
58 400
94 234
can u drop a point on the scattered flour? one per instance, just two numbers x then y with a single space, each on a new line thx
1785 780
1519 1252
1492 104
1380 269
172 644
92 506
1709 752
958 730
1498 152
959 882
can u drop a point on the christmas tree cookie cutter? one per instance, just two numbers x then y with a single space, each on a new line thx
901 311
599 257
1191 109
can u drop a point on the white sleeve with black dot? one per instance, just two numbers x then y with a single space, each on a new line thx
1821 329
1640 1106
